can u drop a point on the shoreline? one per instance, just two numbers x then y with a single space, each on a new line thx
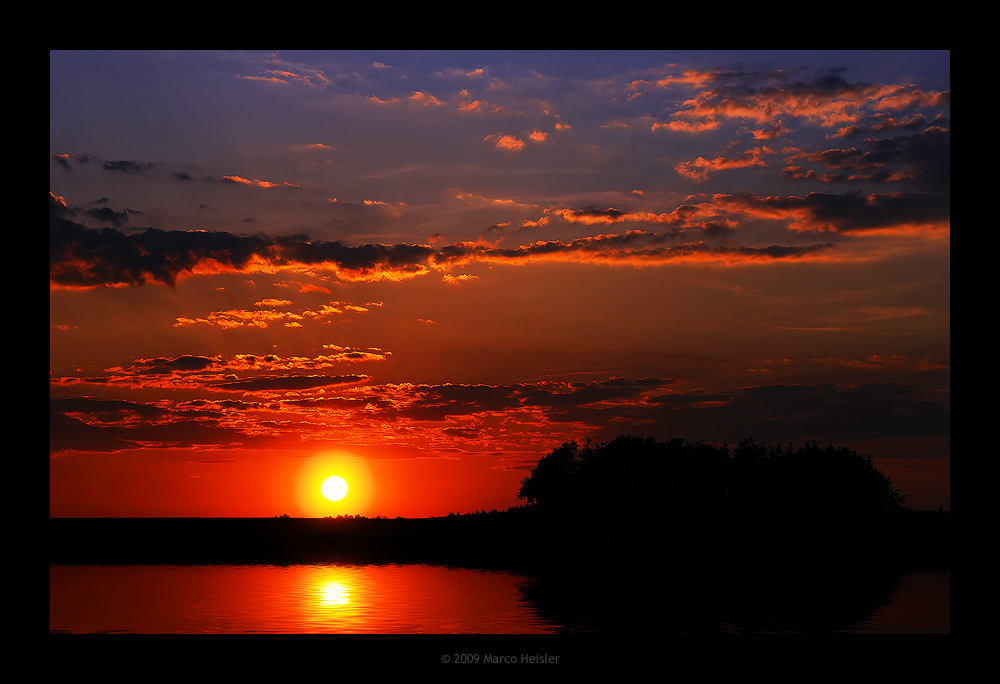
497 542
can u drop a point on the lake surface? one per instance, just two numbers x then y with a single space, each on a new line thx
920 603
419 598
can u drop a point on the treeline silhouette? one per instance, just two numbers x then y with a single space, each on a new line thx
510 510
677 486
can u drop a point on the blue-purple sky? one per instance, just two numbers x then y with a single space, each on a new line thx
448 263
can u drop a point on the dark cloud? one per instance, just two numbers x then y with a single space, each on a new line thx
361 258
67 433
772 412
181 364
370 402
922 160
63 159
439 402
224 404
600 410
290 382
81 256
848 212
125 166
108 215
800 413
106 410
623 247
603 410
610 213
889 124
798 173
584 394
717 228
927 156
85 257
84 424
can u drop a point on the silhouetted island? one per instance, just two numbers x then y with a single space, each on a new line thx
681 489
636 497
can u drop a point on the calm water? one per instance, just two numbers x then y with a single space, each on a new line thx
409 599
920 603
298 598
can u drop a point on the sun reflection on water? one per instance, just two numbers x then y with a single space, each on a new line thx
314 598
334 594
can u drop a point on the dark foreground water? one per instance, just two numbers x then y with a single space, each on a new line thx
422 598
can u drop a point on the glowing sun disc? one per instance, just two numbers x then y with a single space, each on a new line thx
334 488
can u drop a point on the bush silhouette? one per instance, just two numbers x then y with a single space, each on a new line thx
697 485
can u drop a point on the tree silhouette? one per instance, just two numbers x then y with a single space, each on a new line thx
697 486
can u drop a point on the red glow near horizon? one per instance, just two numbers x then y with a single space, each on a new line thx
477 264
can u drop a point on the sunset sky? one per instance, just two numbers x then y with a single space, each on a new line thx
426 270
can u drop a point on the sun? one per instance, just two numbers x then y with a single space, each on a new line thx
334 488
318 473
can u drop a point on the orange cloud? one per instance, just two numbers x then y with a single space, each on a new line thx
452 279
304 76
311 287
424 98
827 101
686 126
691 77
699 168
914 98
237 318
187 372
506 142
543 221
258 183
774 131
325 310
481 201
681 216
798 172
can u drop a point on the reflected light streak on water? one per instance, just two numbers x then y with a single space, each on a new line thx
288 599
334 594
411 599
